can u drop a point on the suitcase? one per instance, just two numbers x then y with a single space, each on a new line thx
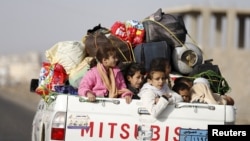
144 53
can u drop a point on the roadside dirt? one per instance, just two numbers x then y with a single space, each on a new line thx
21 95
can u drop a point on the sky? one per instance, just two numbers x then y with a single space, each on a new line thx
36 25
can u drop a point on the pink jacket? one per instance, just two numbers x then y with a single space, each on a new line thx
92 82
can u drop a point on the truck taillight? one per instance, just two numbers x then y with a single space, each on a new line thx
57 133
58 126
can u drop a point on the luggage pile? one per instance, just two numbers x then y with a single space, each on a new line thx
158 35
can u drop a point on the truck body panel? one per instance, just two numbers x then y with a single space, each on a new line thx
114 119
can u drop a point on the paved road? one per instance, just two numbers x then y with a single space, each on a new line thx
16 114
15 122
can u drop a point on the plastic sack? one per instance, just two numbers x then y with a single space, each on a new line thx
50 75
67 53
78 72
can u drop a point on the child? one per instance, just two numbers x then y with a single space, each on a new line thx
155 93
165 64
182 89
134 77
202 93
104 79
185 80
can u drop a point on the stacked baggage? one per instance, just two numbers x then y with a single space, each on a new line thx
158 35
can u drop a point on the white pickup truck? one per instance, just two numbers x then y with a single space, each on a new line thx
65 117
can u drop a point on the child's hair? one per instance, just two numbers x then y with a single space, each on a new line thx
131 68
159 62
104 51
180 86
162 62
185 80
152 70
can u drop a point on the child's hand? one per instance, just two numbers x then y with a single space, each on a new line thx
157 99
167 95
91 97
128 99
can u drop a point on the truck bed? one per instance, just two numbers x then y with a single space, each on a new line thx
114 119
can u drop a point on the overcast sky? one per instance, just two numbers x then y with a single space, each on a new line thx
36 25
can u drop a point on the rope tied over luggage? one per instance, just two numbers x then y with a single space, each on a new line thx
218 84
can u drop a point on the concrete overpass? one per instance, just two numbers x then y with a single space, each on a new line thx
216 26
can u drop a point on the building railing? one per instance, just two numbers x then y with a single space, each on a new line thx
215 26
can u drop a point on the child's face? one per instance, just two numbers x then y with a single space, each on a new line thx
110 62
158 79
135 80
185 94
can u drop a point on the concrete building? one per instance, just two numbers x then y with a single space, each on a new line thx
216 27
4 75
16 69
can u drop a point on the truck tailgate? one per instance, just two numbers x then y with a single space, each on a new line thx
113 119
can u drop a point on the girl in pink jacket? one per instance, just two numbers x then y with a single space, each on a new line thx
104 79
